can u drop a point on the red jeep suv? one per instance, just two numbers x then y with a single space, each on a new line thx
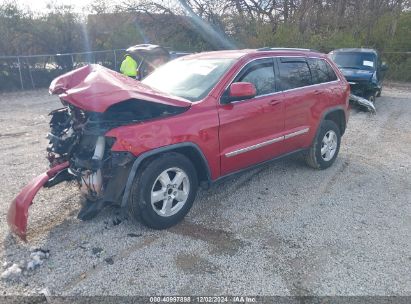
147 146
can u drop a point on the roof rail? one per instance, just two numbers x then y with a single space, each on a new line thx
285 49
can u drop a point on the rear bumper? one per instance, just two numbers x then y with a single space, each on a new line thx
18 211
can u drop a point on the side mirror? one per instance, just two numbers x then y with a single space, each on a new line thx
384 67
240 91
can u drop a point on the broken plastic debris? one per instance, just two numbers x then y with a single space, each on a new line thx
43 253
97 250
39 254
35 262
37 258
12 272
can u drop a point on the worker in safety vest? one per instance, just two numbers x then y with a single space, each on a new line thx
129 66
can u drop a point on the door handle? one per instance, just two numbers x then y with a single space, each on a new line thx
274 102
318 92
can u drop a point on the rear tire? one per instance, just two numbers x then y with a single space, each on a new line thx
325 147
164 191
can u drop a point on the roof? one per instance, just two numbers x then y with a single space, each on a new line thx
236 54
285 49
354 50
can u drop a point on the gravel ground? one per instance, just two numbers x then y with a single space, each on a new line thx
283 229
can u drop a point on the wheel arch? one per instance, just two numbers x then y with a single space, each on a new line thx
337 115
188 149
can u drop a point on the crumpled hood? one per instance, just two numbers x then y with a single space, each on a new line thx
96 88
354 74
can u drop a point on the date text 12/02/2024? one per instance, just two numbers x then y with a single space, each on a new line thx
203 299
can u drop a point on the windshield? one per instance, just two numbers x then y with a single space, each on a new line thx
191 79
360 61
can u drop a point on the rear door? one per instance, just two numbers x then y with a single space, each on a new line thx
326 82
299 98
250 130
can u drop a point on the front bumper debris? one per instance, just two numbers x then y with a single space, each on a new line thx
18 212
359 101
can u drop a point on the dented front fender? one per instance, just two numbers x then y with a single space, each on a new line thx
18 212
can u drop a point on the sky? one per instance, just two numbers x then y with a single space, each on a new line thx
40 5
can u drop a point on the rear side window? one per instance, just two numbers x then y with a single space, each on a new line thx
331 74
321 71
261 74
294 74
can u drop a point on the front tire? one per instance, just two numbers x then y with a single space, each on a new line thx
379 93
164 191
325 147
372 97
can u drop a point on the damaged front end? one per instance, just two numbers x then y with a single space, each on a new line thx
77 137
79 151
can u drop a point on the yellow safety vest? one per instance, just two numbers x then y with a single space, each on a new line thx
129 66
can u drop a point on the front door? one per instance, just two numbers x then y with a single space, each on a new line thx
250 130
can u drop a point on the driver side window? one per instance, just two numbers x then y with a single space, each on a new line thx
261 74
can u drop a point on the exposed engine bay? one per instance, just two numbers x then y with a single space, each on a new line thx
77 136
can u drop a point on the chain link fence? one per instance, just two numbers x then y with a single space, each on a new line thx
399 65
31 72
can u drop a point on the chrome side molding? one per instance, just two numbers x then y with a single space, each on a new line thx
299 132
266 143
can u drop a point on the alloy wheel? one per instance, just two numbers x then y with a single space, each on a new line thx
329 145
170 192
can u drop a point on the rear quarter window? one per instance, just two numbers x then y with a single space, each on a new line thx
294 74
331 74
321 71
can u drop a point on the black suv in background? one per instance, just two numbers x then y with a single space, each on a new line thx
363 69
